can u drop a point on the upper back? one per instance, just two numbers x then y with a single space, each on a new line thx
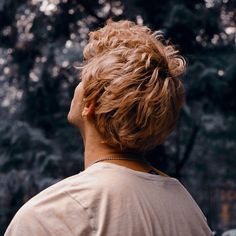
122 201
108 199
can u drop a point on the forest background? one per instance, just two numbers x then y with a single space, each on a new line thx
41 42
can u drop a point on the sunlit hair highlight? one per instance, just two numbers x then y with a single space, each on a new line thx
133 74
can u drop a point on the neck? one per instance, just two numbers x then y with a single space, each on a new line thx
98 151
95 149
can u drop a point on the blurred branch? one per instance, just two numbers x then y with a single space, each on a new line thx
188 150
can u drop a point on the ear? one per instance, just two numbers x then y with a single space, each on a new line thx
88 109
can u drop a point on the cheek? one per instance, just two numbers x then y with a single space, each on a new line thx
79 89
78 96
76 105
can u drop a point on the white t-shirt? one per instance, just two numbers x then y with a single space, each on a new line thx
109 199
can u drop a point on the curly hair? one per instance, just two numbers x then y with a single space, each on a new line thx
133 74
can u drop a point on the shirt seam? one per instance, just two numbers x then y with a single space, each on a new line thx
85 209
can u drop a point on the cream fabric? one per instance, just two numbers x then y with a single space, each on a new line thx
109 199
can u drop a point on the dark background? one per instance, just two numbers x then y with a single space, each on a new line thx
40 43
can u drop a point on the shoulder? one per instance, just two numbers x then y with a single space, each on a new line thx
189 199
25 222
50 212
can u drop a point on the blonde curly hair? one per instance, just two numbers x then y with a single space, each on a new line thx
133 75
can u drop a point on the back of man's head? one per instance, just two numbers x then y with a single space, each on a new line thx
133 74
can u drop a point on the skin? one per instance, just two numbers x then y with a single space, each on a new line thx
94 146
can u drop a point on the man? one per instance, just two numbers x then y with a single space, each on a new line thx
127 103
